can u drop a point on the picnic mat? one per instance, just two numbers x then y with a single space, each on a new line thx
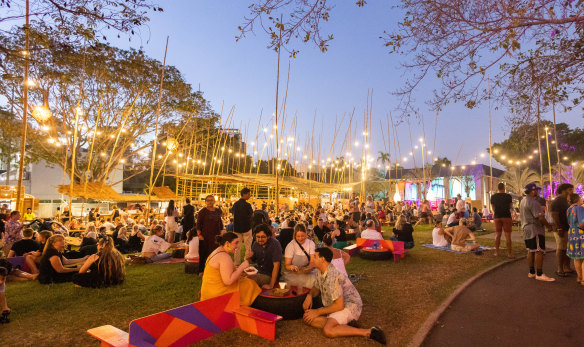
170 261
447 248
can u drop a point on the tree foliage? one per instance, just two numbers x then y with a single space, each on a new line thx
523 142
516 179
117 103
80 20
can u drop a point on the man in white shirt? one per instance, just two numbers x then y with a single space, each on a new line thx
370 233
452 219
155 246
485 211
460 206
108 225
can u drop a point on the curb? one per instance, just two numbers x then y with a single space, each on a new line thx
424 330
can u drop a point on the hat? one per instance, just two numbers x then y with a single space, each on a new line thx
531 187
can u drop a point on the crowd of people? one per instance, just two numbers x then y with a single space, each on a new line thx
302 246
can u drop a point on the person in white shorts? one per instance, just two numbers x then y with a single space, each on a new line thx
341 302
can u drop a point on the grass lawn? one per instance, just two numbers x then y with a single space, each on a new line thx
396 296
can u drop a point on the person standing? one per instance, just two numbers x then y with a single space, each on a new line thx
209 225
532 224
170 219
12 231
502 204
242 213
188 218
576 235
460 205
559 208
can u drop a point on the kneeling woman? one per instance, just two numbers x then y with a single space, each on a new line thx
51 269
106 268
221 278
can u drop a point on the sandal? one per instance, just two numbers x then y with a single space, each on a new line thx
561 273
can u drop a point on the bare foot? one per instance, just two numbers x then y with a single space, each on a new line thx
510 256
496 253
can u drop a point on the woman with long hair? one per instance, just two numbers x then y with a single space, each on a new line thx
221 278
340 258
105 268
51 269
299 259
170 219
192 245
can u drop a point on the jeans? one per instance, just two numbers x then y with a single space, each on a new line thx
159 256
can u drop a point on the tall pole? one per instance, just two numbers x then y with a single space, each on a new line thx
490 148
73 152
556 138
547 145
277 140
19 194
156 132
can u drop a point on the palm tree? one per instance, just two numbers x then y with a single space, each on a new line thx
516 179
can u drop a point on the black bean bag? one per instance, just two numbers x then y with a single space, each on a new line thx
288 307
375 254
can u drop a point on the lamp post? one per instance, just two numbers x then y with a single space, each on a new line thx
547 145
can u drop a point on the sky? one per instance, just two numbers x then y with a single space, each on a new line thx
327 85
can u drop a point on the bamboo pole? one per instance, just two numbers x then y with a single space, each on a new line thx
155 141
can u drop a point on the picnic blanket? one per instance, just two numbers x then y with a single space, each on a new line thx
447 248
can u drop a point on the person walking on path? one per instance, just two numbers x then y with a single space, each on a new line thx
242 214
502 204
532 224
559 208
575 217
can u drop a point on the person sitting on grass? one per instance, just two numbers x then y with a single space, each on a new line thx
439 237
370 233
34 258
51 269
266 253
340 258
192 245
477 221
89 237
453 219
459 235
341 302
3 304
403 232
105 268
155 247
135 240
220 278
25 246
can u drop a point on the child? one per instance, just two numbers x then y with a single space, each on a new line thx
5 318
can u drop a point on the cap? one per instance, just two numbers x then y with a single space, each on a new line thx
531 187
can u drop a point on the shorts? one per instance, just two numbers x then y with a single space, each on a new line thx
423 215
561 241
343 316
460 248
536 244
503 224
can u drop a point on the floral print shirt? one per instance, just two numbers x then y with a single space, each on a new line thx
12 232
333 284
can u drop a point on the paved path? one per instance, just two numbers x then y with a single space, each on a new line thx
505 308
516 236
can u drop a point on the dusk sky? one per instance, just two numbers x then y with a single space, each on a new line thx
242 74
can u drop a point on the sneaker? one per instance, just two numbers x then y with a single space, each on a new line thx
530 275
544 278
378 335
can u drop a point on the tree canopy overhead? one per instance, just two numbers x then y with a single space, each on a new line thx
79 20
114 92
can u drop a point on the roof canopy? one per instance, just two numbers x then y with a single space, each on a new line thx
305 185
103 192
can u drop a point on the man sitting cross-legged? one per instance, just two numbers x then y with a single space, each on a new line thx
341 301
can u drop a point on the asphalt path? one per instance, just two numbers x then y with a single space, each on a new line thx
506 308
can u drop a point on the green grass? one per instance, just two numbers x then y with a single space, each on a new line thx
396 296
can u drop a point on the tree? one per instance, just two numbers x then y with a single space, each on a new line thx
78 21
521 147
116 107
516 179
458 42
